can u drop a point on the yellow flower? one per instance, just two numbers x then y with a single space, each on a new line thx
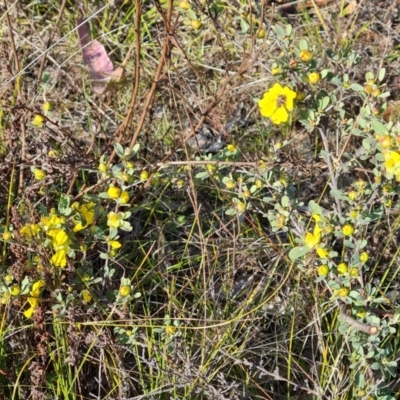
353 214
124 197
143 175
53 153
7 235
86 296
50 222
211 168
124 290
305 55
38 121
364 257
39 174
276 71
29 230
170 330
86 278
368 89
59 238
180 183
342 268
113 192
392 162
59 259
300 96
102 167
8 279
322 253
34 294
196 24
388 188
261 33
342 292
231 147
46 106
88 212
230 184
114 244
240 206
376 92
15 290
385 141
277 103
314 77
5 297
115 220
125 177
184 5
354 272
313 239
348 230
361 312
352 195
323 270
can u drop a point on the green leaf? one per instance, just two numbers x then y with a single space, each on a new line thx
244 25
338 194
382 74
63 205
126 226
135 149
324 74
375 366
119 150
322 104
369 76
279 31
46 77
357 132
378 127
368 143
303 45
117 169
315 208
356 87
298 252
349 244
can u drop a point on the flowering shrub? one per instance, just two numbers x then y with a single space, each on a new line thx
308 88
277 103
62 236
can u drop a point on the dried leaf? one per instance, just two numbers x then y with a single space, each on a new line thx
96 58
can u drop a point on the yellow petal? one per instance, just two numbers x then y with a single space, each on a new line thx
311 240
29 312
86 296
279 116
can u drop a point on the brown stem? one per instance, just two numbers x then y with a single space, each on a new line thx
42 63
369 329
